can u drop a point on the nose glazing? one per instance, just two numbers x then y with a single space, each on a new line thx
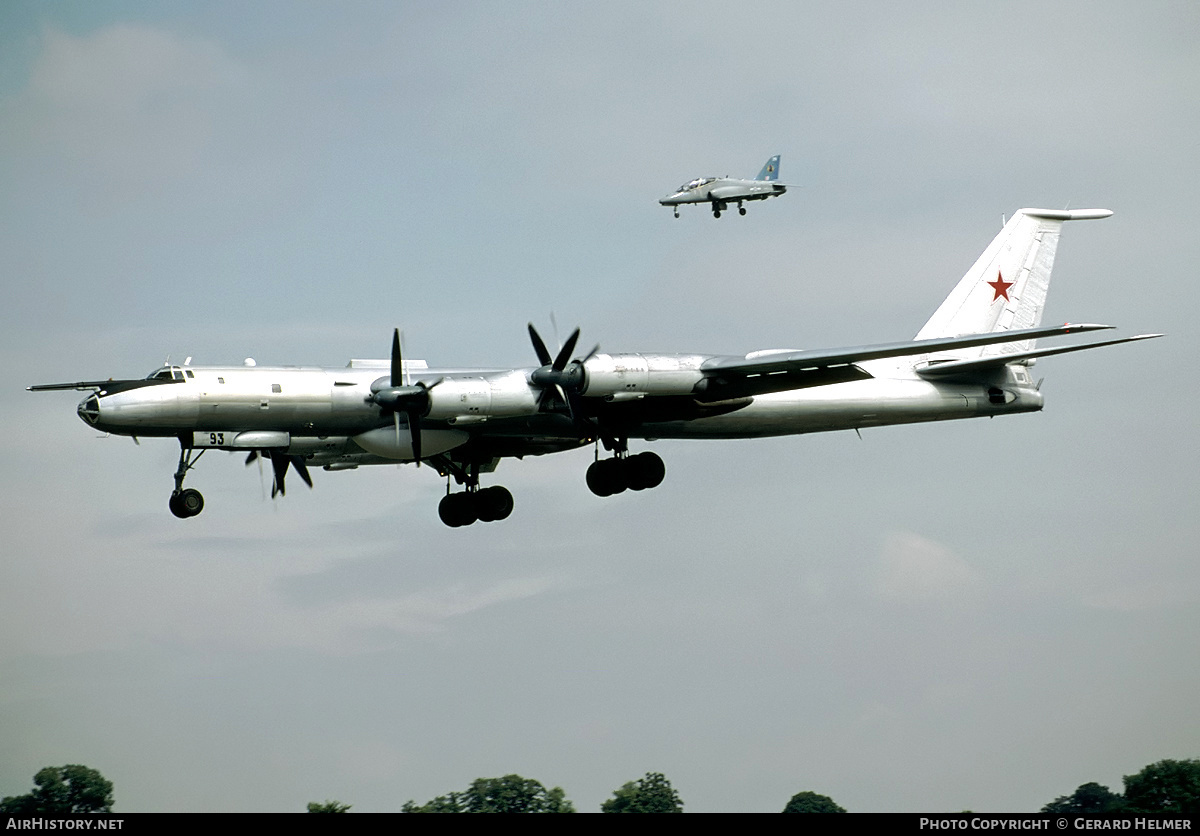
89 410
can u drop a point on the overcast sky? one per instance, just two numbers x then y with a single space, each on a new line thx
973 615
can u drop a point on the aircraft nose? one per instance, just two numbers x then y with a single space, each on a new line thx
89 410
669 200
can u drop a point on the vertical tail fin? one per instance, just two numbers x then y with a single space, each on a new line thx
1006 288
770 171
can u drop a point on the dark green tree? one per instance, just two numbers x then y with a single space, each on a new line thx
451 803
328 807
652 793
1171 787
509 794
1090 798
63 790
811 802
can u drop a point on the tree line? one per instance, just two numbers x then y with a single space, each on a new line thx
1168 787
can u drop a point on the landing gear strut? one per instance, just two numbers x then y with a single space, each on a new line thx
640 472
185 502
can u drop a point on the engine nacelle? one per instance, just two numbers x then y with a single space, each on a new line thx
503 395
613 375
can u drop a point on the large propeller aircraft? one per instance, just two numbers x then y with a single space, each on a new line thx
971 359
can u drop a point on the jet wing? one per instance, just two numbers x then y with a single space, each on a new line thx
734 377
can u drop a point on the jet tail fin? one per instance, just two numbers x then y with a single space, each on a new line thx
1006 287
770 171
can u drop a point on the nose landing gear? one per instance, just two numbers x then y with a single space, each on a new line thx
185 502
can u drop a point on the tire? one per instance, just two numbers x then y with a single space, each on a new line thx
651 470
191 501
597 478
497 501
457 509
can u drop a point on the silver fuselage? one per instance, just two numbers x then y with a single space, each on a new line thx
327 414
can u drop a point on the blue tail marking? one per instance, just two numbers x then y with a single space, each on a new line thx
770 171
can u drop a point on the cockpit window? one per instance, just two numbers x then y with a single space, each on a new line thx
166 373
695 184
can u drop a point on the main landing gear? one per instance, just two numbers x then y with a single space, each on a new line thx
475 504
185 502
720 206
641 472
478 505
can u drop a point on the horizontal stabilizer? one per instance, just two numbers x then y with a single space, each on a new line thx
795 360
957 367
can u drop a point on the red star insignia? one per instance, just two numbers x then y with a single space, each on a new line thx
1000 286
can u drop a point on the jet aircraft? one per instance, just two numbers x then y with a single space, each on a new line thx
971 359
721 191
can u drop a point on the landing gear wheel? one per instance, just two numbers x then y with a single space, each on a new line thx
645 471
494 503
458 509
607 477
741 210
716 213
186 503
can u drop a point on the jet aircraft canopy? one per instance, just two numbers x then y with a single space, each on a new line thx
695 184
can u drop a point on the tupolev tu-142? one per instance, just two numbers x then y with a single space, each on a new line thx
971 359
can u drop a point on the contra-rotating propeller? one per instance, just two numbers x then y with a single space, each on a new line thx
399 396
280 462
560 374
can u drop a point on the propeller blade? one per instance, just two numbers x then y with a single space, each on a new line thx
397 360
279 463
414 430
543 354
302 469
251 457
560 362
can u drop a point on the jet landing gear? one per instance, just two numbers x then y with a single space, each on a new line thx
606 477
185 502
